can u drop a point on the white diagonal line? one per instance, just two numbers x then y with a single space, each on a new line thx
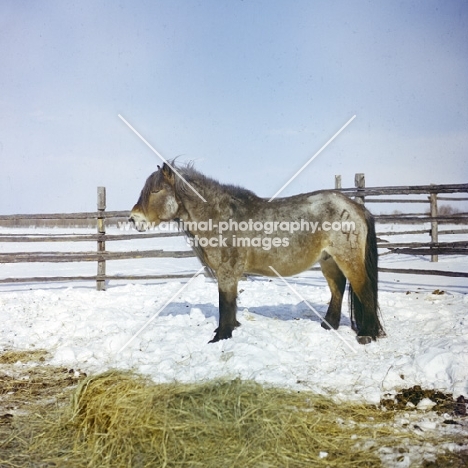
159 155
312 309
160 310
312 158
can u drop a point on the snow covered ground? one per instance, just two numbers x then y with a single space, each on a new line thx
162 328
280 341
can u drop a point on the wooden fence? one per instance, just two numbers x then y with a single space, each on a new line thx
432 193
362 194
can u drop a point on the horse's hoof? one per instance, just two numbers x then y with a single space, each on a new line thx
224 333
364 339
326 326
221 336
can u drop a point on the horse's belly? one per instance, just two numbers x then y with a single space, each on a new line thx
286 263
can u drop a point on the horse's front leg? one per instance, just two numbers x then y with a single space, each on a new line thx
227 309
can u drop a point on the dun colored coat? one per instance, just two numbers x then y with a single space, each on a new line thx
235 232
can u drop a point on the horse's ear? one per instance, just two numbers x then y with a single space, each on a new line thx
168 173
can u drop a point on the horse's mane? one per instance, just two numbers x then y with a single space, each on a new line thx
228 198
210 187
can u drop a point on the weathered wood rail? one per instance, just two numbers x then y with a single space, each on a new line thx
100 256
362 194
434 248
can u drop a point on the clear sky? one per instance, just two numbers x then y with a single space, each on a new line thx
248 89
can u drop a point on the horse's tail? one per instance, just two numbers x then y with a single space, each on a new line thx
364 307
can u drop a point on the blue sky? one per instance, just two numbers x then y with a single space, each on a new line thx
249 90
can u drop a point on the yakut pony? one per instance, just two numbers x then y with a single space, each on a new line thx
249 234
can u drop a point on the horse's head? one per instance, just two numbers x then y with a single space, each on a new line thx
157 200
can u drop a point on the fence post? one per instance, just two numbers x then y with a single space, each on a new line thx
434 224
359 183
101 244
337 182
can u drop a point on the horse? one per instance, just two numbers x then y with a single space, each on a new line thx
234 233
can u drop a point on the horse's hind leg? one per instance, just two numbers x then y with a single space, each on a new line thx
363 303
359 265
336 282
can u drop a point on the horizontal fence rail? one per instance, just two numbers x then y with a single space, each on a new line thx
406 190
360 193
66 257
61 279
84 238
57 216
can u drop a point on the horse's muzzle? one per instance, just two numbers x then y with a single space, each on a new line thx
138 223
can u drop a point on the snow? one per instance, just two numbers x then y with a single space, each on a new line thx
280 341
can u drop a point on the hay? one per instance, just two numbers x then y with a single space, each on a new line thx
218 424
24 380
28 388
13 356
119 419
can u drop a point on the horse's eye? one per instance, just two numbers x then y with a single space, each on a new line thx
153 192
